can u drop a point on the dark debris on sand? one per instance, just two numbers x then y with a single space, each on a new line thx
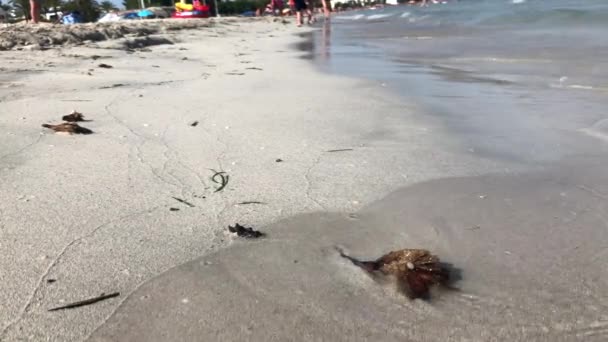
220 178
250 202
416 270
246 232
74 116
183 201
115 85
90 301
68 127
339 150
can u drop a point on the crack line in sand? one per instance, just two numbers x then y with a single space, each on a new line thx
219 157
22 149
174 155
55 261
308 180
164 169
142 139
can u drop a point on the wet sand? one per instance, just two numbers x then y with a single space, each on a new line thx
530 249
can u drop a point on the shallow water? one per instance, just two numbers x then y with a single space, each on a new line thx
525 81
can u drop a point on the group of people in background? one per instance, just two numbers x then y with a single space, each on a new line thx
301 8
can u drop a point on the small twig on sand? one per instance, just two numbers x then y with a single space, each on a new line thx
90 301
250 202
340 150
116 85
183 201
223 179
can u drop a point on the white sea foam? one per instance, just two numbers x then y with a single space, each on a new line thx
598 130
405 14
417 19
580 86
518 1
350 17
378 16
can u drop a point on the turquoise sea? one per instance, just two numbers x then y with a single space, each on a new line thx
524 80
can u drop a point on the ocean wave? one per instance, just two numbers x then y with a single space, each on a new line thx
548 16
379 16
418 19
350 17
476 13
598 130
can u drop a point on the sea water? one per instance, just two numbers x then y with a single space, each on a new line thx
525 80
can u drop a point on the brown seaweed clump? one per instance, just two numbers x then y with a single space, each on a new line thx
416 270
69 128
74 116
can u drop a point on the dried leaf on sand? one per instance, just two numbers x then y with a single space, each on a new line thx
69 128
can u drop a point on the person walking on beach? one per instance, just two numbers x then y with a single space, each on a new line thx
277 7
325 8
312 7
35 10
301 9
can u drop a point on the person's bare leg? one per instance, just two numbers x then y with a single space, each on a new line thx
35 10
325 9
298 18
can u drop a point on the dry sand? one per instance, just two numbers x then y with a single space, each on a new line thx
93 212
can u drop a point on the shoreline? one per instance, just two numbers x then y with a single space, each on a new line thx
102 221
99 215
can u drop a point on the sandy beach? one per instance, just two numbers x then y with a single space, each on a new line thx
315 160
